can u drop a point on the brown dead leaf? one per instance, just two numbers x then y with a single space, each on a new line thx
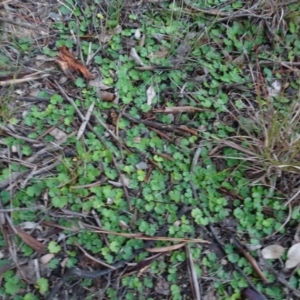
252 295
66 69
69 64
27 272
107 96
31 241
104 37
187 129
113 117
162 287
32 270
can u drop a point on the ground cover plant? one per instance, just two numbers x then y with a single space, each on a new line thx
149 149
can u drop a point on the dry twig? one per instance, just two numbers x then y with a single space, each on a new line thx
21 80
21 24
95 259
250 259
192 273
181 130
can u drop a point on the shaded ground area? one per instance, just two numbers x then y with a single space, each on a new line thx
149 149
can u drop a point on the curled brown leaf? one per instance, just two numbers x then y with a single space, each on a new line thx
252 295
107 96
70 65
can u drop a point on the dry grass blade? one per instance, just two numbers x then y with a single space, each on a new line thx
94 259
252 294
181 130
12 178
140 236
237 147
49 147
5 2
269 139
177 109
86 121
142 265
165 249
8 131
17 23
51 224
250 259
192 273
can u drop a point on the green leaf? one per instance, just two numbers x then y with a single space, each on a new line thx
141 175
65 9
108 81
114 247
56 99
30 296
26 150
53 247
292 27
12 285
80 82
233 257
53 263
42 284
60 202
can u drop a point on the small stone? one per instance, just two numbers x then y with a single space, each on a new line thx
141 166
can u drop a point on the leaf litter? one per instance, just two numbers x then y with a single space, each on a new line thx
138 142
